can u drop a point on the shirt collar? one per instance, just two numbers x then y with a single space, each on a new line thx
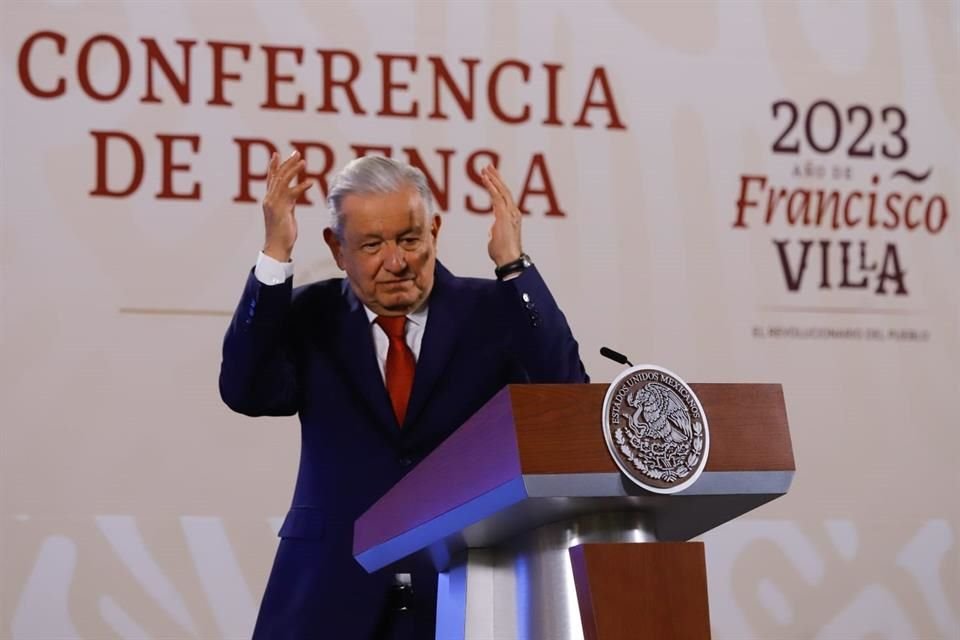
418 317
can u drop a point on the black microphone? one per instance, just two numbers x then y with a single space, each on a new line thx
619 358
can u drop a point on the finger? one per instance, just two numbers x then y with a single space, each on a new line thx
272 169
497 188
291 160
503 207
488 173
501 186
497 203
496 198
299 189
289 172
287 164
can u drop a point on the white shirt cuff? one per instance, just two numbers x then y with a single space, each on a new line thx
270 271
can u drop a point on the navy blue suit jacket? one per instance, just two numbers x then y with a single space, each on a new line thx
310 351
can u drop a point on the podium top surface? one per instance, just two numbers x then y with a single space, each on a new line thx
536 453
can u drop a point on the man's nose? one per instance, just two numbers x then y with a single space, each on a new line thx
394 260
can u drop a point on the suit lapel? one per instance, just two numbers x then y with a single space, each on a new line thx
445 320
359 359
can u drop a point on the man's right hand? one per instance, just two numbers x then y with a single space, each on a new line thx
278 205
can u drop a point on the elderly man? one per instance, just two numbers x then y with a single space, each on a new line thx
381 367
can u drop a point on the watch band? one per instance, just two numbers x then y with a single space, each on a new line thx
511 268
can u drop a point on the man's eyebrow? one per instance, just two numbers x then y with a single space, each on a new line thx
375 235
414 226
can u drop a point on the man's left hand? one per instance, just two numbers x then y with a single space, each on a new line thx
504 245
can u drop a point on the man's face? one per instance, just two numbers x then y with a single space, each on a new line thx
388 249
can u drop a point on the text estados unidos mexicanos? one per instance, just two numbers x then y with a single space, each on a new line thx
651 376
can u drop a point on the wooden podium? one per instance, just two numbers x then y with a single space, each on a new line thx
535 531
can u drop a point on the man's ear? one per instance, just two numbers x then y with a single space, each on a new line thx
435 227
336 250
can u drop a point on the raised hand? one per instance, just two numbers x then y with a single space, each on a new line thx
278 205
504 245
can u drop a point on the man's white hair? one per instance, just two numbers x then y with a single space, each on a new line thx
373 174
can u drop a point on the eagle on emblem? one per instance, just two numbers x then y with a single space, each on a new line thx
659 414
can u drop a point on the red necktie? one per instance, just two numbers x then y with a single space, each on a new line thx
400 364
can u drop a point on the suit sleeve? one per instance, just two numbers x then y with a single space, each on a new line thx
541 339
258 373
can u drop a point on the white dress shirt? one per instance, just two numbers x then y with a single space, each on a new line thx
273 272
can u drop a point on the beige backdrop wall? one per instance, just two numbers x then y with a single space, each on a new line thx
689 171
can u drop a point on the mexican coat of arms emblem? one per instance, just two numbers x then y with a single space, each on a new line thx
656 429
